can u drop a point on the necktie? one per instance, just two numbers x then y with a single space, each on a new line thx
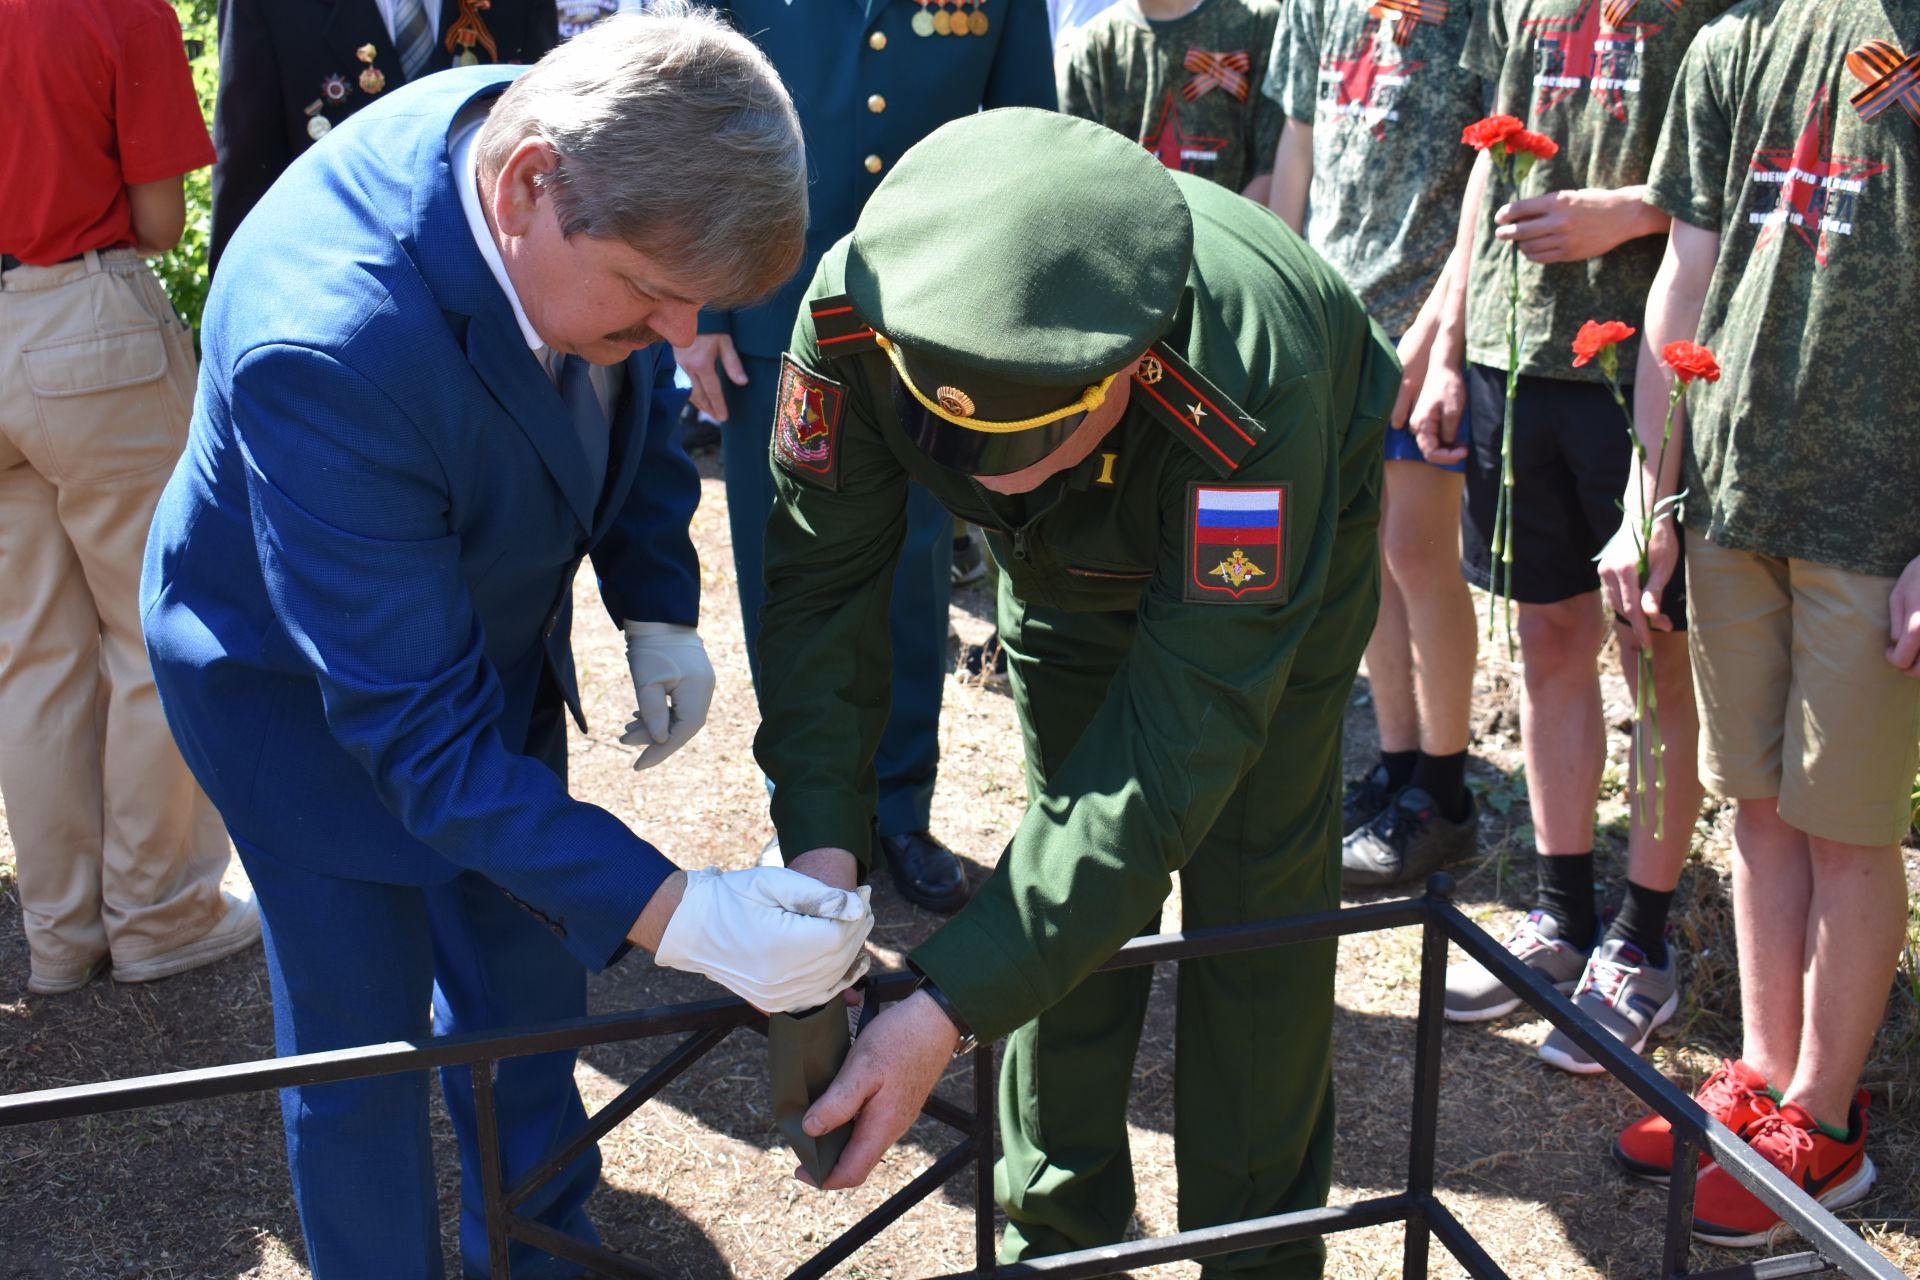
589 421
413 36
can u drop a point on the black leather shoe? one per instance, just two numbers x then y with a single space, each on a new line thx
925 871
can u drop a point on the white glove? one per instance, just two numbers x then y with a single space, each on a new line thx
778 938
672 685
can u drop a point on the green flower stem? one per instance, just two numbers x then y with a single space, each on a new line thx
1500 571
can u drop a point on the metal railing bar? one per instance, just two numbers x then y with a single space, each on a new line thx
1203 1242
984 1122
1465 1249
947 1113
1425 1124
487 1138
1686 1170
1197 944
603 1260
1780 1267
1749 1168
844 1245
663 1073
364 1061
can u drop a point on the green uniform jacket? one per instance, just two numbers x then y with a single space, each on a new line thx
1273 329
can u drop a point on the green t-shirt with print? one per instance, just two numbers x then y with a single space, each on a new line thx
1387 101
1808 445
1595 76
1187 89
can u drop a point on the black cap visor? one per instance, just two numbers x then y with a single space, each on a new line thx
977 453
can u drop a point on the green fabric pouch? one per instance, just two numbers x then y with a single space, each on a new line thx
804 1053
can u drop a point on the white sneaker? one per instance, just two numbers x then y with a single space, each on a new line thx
237 930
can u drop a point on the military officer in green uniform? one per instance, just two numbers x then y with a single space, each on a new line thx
1168 415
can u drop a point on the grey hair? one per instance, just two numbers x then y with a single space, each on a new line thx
675 136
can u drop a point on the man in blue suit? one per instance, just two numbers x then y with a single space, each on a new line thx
433 383
870 78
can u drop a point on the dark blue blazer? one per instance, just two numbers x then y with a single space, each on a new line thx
356 588
836 57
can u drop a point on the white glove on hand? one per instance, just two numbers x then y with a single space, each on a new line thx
778 938
672 685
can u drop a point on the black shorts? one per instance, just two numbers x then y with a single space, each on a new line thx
1571 462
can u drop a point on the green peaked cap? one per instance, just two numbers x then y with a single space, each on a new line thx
1019 256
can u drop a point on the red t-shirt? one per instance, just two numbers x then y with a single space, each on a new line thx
98 98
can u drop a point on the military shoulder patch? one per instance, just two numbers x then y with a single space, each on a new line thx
1213 426
806 424
838 329
1236 543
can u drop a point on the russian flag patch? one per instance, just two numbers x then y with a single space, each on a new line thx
1236 543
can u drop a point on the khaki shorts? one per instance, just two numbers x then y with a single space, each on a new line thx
1797 700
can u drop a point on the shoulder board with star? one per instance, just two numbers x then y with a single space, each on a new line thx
838 329
1210 424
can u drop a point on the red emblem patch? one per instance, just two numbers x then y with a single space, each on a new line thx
1236 543
806 424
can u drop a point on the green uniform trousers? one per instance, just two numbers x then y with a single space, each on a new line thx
1253 1097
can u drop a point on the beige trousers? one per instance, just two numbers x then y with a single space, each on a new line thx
116 848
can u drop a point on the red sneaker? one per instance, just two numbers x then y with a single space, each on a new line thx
1832 1171
1735 1095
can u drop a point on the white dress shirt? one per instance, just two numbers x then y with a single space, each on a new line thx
390 14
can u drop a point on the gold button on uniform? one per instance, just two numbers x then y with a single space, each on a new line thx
878 40
876 104
875 164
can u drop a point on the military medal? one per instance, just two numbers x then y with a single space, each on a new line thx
334 88
943 21
317 124
372 79
977 20
957 25
468 30
923 21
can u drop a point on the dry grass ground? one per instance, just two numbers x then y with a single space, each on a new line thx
699 1182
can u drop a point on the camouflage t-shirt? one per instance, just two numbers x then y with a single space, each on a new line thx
1387 101
1593 75
1187 89
1809 445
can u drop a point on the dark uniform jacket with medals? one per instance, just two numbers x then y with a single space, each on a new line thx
286 63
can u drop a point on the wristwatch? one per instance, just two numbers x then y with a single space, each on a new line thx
968 1041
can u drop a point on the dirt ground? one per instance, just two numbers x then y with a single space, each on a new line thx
698 1182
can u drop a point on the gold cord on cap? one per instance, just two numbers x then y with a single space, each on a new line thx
1090 399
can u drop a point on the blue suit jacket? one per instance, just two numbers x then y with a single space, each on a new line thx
356 588
825 52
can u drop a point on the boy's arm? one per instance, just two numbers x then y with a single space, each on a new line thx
1572 226
1673 315
1435 419
1292 174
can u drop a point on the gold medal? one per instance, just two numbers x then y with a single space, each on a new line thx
923 23
372 80
978 21
942 24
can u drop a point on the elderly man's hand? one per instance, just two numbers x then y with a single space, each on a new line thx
698 359
1903 622
882 1085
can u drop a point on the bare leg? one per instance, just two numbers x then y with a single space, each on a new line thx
1655 864
1420 539
1389 662
1561 730
1855 924
1772 894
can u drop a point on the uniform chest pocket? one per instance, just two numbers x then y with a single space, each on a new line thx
105 403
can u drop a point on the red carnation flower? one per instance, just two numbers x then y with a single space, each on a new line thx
1482 134
1690 360
1538 144
1596 336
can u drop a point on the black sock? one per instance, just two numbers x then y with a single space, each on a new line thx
1445 779
1399 767
1566 894
1643 921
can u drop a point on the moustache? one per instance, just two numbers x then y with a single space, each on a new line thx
639 335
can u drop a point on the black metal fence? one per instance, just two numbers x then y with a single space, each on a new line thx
705 1024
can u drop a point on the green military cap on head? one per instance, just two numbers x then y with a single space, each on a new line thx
1011 265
